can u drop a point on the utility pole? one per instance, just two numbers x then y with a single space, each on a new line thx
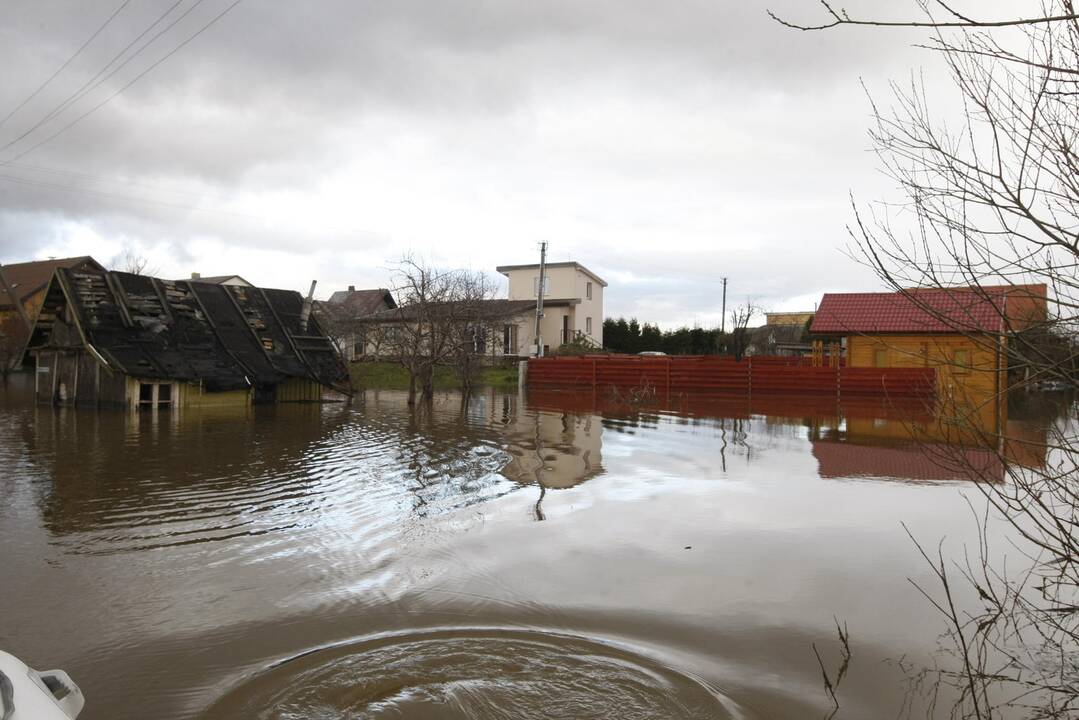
723 317
539 297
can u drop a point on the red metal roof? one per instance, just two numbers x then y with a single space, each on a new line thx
944 310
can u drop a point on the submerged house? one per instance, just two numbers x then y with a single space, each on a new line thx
963 332
113 338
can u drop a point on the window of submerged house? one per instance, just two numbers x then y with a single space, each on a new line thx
155 395
880 358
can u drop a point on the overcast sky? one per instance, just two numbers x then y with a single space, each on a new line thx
663 145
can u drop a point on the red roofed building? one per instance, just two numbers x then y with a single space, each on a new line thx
961 331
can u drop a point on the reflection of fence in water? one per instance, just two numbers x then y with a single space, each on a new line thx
726 375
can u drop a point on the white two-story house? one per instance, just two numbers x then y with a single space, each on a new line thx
572 305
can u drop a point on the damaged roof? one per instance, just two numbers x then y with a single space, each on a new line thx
226 337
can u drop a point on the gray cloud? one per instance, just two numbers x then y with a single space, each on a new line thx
666 145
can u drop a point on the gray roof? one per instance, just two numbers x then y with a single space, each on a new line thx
484 309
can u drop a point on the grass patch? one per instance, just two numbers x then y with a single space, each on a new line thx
391 376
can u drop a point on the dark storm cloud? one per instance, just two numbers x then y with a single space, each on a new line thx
330 137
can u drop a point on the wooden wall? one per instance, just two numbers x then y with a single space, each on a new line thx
936 351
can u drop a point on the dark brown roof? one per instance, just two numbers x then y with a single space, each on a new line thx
227 337
27 278
485 309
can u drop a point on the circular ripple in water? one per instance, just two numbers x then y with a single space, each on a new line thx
488 674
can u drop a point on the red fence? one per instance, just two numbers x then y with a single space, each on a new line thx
726 375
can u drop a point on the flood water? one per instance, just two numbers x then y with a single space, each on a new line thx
542 556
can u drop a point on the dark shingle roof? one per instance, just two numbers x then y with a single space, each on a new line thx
227 337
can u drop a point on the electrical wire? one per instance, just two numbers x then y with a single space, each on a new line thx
67 62
134 80
90 85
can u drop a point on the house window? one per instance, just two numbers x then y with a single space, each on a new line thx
588 320
546 285
153 395
880 358
509 339
479 339
588 292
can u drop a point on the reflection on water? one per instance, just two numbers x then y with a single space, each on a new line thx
316 561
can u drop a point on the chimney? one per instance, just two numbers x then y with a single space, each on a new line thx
352 288
305 313
196 276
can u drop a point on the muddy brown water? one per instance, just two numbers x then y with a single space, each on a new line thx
547 556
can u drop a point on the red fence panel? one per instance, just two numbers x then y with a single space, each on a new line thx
767 375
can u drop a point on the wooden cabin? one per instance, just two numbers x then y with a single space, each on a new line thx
112 338
963 333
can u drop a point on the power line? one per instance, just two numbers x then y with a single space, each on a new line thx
67 62
134 80
76 176
90 85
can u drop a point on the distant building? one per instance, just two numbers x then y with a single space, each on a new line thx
344 312
113 338
572 312
220 280
789 318
572 304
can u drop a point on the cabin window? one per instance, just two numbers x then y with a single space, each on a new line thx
962 360
153 395
880 358
588 292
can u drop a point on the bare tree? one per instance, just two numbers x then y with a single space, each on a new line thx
130 261
739 336
994 199
442 319
474 327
